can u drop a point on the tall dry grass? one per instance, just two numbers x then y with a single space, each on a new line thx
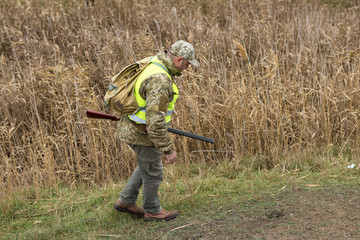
276 78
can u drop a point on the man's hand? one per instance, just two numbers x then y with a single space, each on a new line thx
171 158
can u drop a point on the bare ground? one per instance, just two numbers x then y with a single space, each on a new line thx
308 213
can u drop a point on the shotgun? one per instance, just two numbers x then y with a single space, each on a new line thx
99 115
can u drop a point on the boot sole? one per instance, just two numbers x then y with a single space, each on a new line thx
160 219
127 211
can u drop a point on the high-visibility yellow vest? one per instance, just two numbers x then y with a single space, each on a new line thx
154 68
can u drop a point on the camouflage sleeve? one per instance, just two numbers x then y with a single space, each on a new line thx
156 91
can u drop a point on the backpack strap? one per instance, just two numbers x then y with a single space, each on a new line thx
162 66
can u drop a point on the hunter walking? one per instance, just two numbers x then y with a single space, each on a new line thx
146 130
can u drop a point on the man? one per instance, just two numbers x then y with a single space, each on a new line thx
146 130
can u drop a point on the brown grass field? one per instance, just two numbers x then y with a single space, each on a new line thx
277 78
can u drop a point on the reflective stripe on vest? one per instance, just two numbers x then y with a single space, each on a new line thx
154 68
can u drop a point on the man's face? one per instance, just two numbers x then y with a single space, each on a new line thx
182 63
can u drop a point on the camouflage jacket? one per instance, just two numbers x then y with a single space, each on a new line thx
158 92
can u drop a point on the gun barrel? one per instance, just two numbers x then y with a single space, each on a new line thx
190 135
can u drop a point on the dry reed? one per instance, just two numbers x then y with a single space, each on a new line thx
276 78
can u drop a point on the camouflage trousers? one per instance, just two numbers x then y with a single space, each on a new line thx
149 174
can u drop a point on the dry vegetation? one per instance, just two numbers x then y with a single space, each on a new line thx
276 78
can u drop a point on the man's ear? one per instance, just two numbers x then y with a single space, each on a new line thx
179 59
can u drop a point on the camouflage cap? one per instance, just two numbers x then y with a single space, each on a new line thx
185 50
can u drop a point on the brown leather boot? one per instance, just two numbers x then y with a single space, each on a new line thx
163 215
133 210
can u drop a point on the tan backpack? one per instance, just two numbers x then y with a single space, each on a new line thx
120 96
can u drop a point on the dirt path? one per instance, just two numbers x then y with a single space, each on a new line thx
322 214
329 213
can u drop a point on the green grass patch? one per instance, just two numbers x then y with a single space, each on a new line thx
211 195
